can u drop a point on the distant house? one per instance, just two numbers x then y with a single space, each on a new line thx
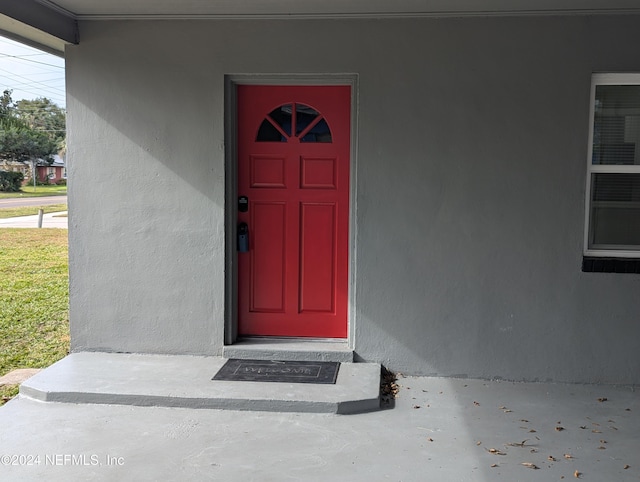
52 173
12 166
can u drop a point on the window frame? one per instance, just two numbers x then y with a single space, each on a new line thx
596 80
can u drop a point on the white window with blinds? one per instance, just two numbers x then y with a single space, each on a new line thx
612 224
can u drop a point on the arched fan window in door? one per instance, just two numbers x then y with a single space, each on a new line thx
310 125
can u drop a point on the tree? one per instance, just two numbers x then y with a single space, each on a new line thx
5 104
43 115
19 143
28 134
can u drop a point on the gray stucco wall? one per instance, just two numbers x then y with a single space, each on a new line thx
471 155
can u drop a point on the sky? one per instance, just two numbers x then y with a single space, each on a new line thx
31 73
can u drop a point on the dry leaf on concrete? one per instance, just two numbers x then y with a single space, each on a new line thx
495 452
518 444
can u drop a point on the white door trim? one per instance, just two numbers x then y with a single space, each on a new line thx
231 186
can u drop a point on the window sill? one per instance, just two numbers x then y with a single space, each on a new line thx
594 264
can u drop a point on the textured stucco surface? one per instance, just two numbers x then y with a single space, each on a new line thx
471 152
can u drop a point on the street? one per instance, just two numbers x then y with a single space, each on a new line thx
32 201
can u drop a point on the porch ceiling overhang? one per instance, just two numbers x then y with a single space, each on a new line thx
37 24
50 24
110 9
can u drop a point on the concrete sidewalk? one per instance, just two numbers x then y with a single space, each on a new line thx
437 429
50 220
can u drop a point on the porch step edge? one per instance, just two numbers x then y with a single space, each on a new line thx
185 382
289 351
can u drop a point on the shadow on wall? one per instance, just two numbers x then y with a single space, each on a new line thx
173 127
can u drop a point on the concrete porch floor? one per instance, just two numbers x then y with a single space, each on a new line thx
437 429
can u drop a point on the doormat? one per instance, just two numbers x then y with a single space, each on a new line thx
278 371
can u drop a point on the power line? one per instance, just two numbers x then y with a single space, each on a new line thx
22 76
27 76
16 85
57 98
32 61
38 94
32 82
34 70
18 45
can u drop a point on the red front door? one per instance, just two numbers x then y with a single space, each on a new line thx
293 188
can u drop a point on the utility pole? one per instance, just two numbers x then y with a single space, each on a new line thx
33 173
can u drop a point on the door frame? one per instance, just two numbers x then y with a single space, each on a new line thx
231 187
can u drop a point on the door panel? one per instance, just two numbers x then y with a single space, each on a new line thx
317 258
268 257
318 173
267 172
293 166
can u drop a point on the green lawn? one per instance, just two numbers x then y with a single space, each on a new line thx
38 191
34 299
29 210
